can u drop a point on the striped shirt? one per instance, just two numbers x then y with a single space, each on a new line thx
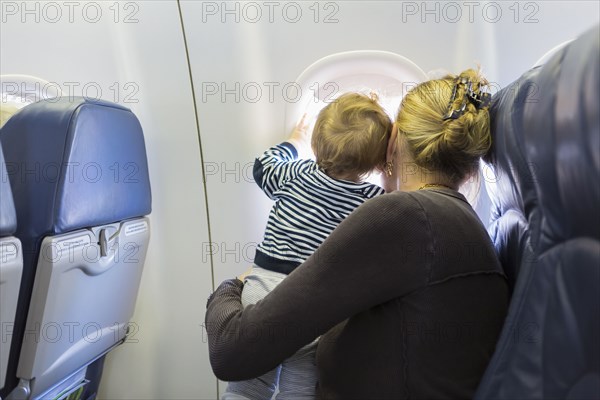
308 205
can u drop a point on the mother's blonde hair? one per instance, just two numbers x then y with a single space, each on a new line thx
451 147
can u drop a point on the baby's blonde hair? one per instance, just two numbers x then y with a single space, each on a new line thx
351 135
452 147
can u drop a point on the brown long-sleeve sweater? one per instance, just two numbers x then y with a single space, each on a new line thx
407 292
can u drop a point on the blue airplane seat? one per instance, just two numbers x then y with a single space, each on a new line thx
546 228
80 181
11 266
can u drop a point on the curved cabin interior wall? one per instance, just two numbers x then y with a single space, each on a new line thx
243 67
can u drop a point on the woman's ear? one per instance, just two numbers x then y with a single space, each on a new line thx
392 146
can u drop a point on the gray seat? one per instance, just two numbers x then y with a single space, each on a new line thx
82 192
11 267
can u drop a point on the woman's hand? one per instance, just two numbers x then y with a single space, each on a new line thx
243 276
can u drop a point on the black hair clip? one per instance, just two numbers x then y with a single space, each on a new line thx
479 100
455 113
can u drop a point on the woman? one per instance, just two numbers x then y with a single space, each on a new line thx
407 291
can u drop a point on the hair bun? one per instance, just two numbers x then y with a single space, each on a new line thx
468 88
446 123
469 133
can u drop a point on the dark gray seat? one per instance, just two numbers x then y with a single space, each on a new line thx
546 228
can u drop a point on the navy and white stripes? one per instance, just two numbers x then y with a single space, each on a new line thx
308 206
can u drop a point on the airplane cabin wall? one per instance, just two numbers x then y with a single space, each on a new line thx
229 60
165 357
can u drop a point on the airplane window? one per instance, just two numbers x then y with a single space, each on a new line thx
17 91
21 90
386 74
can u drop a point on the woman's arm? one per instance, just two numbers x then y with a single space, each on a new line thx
378 253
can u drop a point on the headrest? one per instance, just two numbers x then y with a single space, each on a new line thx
75 163
546 143
8 218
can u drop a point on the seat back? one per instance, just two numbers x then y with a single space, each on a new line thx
80 181
546 228
11 267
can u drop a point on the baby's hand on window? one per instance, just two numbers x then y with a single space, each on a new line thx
300 138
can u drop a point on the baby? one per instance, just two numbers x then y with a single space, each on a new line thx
311 198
